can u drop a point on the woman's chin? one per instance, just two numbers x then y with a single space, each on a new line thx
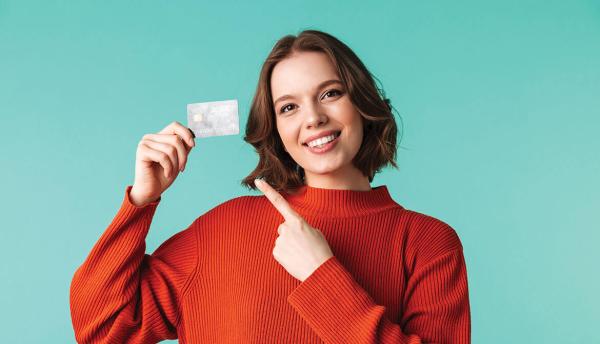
323 169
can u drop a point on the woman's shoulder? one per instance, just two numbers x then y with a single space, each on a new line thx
236 205
429 236
243 201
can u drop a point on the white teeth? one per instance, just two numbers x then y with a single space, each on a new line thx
321 141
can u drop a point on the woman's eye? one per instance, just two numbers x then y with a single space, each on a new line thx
332 91
282 110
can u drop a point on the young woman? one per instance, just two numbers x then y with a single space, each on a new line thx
320 257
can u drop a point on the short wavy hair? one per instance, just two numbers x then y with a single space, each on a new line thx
275 165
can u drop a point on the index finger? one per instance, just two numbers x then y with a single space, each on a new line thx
277 200
178 129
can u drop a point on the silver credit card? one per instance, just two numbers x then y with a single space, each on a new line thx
214 118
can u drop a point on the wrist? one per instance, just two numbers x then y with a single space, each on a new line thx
138 200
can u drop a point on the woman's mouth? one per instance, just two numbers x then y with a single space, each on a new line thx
323 144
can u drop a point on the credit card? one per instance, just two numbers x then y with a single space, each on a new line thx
216 118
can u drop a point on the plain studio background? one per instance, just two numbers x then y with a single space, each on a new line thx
501 109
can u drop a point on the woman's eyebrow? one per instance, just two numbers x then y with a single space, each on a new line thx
321 85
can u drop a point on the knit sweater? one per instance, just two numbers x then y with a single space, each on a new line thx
397 276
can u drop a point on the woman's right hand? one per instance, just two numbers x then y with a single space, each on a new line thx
159 159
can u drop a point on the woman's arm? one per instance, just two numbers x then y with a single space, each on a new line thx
436 300
436 305
119 293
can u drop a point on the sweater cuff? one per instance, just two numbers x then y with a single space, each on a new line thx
331 301
127 200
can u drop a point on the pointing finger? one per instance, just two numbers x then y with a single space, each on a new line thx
277 200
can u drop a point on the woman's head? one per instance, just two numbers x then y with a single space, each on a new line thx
310 85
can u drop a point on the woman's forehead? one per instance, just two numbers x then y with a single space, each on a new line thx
300 73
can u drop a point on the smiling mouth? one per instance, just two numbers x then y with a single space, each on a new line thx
337 134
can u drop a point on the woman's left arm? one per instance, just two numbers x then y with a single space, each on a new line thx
436 305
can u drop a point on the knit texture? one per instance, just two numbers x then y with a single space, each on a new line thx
397 276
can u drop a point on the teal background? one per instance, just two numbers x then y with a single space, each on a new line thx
501 109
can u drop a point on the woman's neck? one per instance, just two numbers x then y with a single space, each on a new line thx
342 179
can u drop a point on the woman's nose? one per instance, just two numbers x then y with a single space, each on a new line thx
315 117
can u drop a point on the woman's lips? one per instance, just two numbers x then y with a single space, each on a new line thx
326 148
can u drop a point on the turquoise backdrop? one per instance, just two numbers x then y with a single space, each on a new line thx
500 102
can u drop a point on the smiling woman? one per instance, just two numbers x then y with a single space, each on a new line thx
322 120
320 257
314 86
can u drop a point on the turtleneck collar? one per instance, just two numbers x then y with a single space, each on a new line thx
336 202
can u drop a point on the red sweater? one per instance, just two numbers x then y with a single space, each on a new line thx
397 276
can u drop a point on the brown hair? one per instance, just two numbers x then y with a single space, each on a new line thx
378 147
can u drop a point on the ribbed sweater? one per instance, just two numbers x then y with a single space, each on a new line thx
397 276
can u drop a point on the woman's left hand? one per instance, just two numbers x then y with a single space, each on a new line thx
300 248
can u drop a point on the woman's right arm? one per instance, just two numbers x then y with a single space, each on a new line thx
120 293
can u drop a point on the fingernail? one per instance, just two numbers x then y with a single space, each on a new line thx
191 131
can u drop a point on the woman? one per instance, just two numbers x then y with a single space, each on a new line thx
321 257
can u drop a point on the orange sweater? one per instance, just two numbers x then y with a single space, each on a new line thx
397 276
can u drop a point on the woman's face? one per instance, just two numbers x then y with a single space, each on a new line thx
308 103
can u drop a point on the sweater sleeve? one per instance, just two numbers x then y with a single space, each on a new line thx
120 294
436 310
